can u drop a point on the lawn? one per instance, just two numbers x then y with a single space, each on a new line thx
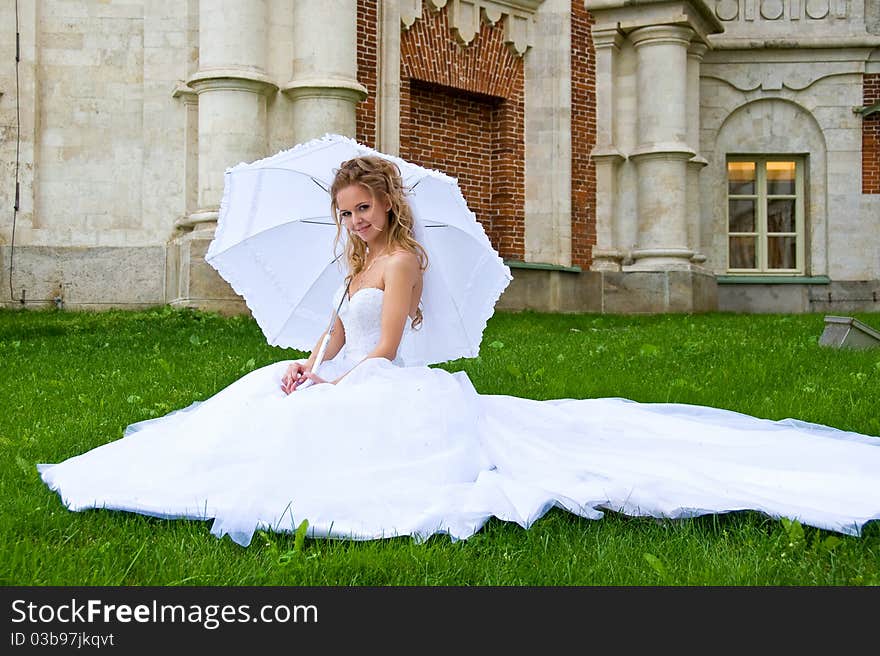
72 381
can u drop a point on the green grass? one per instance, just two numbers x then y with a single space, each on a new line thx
72 381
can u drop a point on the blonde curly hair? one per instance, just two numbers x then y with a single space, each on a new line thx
382 179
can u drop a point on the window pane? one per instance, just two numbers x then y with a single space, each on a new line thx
741 178
780 178
742 253
781 252
742 215
780 215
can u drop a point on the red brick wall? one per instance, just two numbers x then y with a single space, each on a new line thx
461 111
463 126
871 137
367 62
583 136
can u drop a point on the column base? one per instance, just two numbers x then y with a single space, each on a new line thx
661 259
191 282
606 260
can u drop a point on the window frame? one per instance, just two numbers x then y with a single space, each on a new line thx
762 199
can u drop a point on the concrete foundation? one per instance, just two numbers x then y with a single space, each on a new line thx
648 292
832 298
638 292
83 278
192 282
552 291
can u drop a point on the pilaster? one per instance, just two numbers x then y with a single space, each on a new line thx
650 266
231 89
607 256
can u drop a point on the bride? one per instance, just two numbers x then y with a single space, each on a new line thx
369 448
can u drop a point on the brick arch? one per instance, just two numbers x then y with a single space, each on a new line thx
461 111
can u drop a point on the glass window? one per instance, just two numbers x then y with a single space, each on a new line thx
765 222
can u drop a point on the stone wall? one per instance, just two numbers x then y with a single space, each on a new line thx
785 77
102 147
766 102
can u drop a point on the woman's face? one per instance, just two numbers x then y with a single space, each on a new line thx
361 213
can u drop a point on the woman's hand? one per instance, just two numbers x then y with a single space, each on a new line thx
293 377
316 379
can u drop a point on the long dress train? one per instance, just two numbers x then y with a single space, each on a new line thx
395 450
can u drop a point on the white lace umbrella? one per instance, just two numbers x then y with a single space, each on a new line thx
274 245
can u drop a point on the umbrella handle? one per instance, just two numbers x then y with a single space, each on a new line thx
318 360
320 357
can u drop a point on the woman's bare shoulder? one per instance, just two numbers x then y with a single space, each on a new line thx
403 259
402 268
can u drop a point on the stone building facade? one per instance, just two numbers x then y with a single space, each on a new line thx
623 155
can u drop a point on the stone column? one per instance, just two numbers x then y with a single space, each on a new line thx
324 87
232 87
663 153
606 254
695 164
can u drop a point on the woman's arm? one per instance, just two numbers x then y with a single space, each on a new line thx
297 372
337 339
401 275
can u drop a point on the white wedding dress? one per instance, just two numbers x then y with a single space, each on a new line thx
395 450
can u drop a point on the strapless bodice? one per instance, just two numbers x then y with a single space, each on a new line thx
361 316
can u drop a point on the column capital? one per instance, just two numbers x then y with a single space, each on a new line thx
662 34
234 79
201 219
630 15
607 154
325 87
697 50
607 37
185 92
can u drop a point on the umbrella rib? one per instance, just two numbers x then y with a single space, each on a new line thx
306 293
267 229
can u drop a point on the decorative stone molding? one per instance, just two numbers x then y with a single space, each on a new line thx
185 92
671 150
774 10
339 88
197 220
629 15
778 24
697 50
793 76
867 110
657 34
233 79
872 17
678 256
608 155
465 16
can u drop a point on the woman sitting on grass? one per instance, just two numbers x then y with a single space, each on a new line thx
372 449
